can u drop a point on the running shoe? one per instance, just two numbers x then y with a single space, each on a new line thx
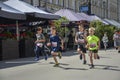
84 62
80 56
118 51
46 57
92 66
98 57
59 55
56 65
36 59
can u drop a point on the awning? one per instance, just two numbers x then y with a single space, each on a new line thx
10 13
92 18
30 10
70 15
117 23
111 22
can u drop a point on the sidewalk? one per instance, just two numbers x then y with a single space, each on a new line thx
30 60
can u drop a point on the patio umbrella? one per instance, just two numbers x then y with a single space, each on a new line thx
70 15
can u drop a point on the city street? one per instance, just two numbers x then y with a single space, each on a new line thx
70 68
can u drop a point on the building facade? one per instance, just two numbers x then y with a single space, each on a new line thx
119 10
103 8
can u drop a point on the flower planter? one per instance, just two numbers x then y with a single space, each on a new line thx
26 48
9 49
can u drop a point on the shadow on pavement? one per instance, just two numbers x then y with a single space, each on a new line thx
68 68
106 67
60 63
17 62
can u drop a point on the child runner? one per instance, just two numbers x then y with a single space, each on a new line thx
80 38
39 44
55 45
93 45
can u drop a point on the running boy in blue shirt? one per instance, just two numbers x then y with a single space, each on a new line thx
55 43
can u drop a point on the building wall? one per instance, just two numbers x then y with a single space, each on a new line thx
113 9
119 10
103 8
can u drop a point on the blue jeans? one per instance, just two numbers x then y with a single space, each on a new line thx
37 51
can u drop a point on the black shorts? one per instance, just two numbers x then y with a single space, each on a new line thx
94 51
82 48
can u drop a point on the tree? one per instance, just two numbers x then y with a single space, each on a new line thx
61 22
100 29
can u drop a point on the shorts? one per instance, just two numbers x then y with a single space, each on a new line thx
118 43
82 48
105 43
93 51
55 49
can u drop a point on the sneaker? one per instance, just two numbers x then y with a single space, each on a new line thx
80 56
59 55
92 66
46 57
98 57
36 59
56 65
118 51
84 62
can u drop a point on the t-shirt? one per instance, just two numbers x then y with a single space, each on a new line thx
93 42
55 41
39 37
80 38
105 39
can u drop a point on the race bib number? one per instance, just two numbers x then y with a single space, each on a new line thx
81 41
93 45
54 44
39 44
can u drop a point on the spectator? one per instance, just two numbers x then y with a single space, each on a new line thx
105 40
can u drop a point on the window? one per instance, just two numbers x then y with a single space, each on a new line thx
66 3
50 1
57 2
73 4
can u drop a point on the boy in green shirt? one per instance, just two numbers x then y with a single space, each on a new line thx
93 45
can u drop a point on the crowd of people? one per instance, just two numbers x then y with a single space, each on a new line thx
85 40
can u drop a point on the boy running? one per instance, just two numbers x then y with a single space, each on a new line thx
55 46
80 40
93 45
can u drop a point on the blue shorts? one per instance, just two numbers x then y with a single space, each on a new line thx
55 49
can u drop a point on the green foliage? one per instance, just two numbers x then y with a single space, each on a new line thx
100 29
62 30
8 35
